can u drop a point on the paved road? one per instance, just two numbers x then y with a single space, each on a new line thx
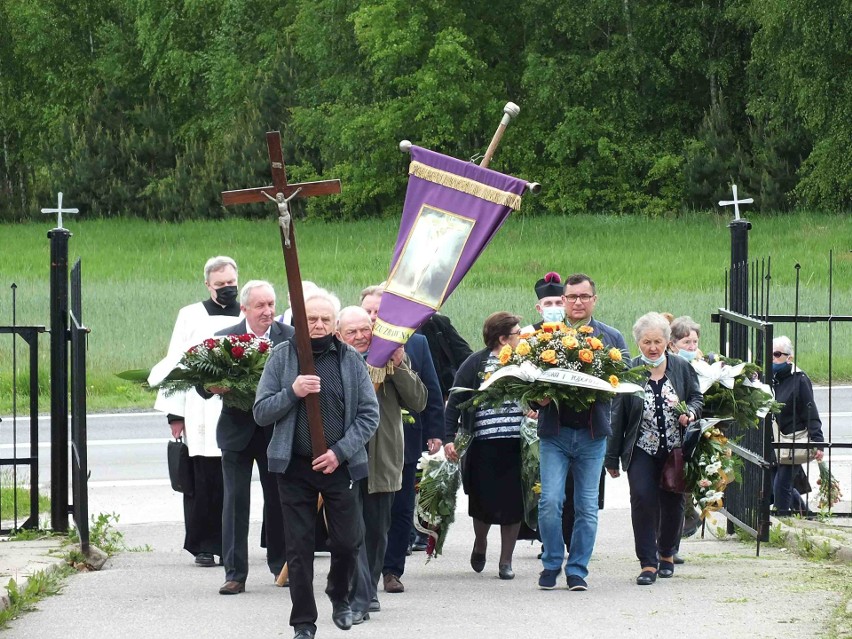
722 590
127 459
723 582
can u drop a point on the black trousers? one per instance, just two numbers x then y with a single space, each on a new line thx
657 514
236 472
376 515
402 514
202 512
299 488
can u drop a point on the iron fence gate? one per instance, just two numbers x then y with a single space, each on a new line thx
748 335
79 455
10 432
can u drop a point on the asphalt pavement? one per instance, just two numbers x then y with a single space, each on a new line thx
723 584
722 590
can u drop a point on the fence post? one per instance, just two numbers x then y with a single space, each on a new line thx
59 378
739 286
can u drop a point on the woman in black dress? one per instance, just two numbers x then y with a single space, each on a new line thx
492 466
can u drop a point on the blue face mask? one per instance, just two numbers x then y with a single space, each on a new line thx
783 367
553 314
687 355
653 363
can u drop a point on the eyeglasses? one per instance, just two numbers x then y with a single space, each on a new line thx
779 354
517 332
585 298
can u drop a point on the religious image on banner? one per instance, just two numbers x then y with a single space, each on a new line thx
430 256
453 208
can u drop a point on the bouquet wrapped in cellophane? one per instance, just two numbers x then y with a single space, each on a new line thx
569 366
435 501
232 362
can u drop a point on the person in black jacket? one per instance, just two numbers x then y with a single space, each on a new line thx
491 472
793 389
645 431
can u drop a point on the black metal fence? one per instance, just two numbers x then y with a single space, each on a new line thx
19 468
747 334
79 455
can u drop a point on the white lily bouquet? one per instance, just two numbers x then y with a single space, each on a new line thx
732 391
435 503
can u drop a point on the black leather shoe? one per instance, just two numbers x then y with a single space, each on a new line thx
359 617
304 633
205 560
646 578
677 559
506 571
477 561
665 570
341 614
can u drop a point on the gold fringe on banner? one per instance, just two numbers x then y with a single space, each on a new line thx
377 375
465 185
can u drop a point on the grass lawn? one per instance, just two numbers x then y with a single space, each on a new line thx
137 274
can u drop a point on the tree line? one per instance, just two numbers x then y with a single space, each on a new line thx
152 107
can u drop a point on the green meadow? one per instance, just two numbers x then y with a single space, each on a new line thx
137 275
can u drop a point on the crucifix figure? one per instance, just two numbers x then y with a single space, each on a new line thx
736 202
59 211
281 193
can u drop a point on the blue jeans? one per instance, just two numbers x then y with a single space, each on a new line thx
578 450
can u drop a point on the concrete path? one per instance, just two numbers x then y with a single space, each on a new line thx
722 590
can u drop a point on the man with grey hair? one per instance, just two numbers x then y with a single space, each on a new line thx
243 444
385 453
193 418
350 416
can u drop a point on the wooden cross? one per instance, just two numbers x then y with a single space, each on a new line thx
281 193
736 202
59 210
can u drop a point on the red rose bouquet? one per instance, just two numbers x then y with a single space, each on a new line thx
234 362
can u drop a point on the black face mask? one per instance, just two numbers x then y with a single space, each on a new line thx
321 344
226 295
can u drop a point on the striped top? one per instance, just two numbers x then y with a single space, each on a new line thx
497 423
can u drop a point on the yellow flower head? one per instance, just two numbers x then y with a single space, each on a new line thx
548 356
586 356
549 327
563 327
588 330
613 380
505 354
523 348
545 337
569 341
615 354
594 343
537 488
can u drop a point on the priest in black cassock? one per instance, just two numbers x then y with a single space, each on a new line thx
194 418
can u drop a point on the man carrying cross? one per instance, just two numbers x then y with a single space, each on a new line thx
350 417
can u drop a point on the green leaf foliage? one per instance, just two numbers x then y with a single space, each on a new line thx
151 108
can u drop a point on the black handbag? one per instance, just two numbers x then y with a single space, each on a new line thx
180 468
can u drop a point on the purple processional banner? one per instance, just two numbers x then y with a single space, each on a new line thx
452 210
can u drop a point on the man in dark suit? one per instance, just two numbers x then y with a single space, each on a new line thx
243 443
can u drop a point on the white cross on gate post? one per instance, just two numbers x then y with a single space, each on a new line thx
59 210
736 202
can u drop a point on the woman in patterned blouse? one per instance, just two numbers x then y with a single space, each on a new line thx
644 432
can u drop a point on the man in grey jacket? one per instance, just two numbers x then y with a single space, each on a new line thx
386 454
350 417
